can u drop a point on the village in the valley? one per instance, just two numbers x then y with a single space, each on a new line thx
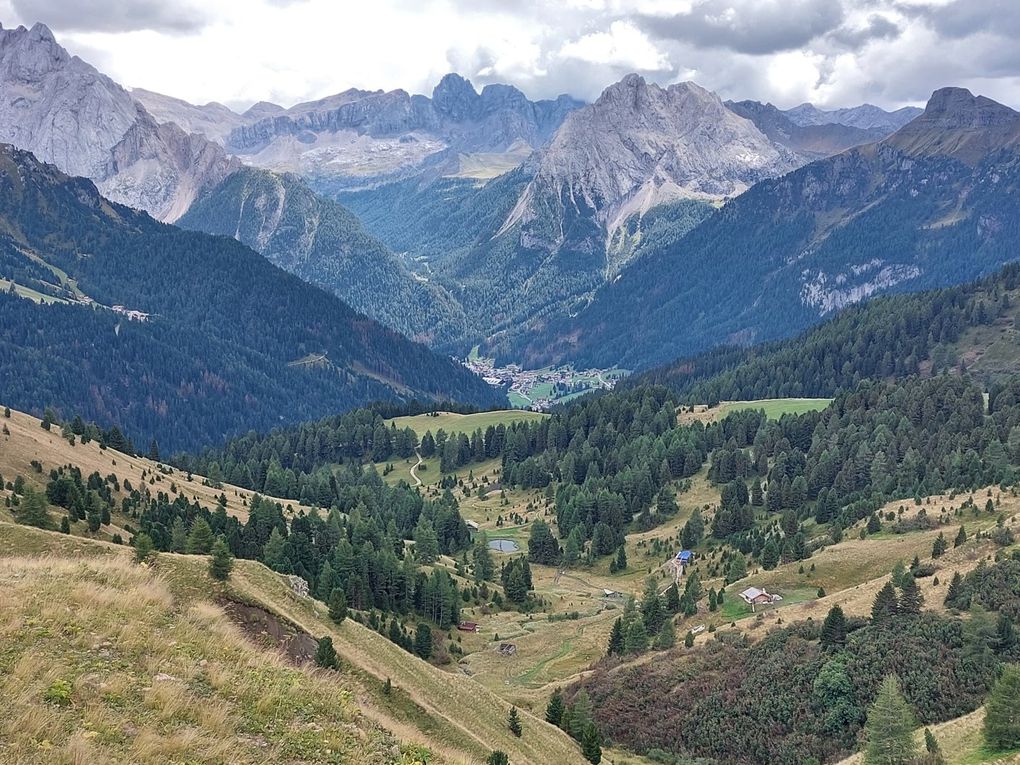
540 389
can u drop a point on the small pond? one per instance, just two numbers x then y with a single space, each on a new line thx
504 545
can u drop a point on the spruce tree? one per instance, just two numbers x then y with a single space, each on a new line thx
940 546
834 629
689 639
423 641
955 592
911 599
1002 712
636 639
143 547
961 537
221 561
200 540
616 639
325 654
673 599
514 722
889 730
591 744
621 559
666 637
496 757
554 709
338 605
885 605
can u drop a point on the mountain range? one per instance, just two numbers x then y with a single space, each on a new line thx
607 233
931 205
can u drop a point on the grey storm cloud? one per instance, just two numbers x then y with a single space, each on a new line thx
748 26
112 15
877 28
963 18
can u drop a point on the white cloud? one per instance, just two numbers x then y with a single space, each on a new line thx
622 45
835 52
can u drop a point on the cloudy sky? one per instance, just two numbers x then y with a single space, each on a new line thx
830 52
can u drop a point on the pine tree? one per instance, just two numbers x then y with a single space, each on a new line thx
940 546
514 722
689 639
337 605
616 639
423 641
874 524
911 599
834 629
713 604
961 537
221 561
200 540
65 525
554 709
889 730
591 744
143 547
325 654
496 757
1002 712
885 605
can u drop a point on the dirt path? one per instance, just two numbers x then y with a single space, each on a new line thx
417 480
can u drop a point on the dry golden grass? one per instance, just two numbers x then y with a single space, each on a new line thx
103 661
960 742
157 672
28 441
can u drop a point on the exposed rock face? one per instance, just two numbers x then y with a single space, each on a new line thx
213 120
958 124
65 112
358 136
865 116
640 145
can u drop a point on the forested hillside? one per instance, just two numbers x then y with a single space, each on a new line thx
223 341
968 327
320 241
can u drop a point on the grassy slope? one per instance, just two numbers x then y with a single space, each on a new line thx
960 741
73 601
452 422
28 441
106 661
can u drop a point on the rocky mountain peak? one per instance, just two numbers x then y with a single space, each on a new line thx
455 97
958 124
955 108
67 113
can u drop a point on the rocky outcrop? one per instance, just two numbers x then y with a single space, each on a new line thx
66 112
